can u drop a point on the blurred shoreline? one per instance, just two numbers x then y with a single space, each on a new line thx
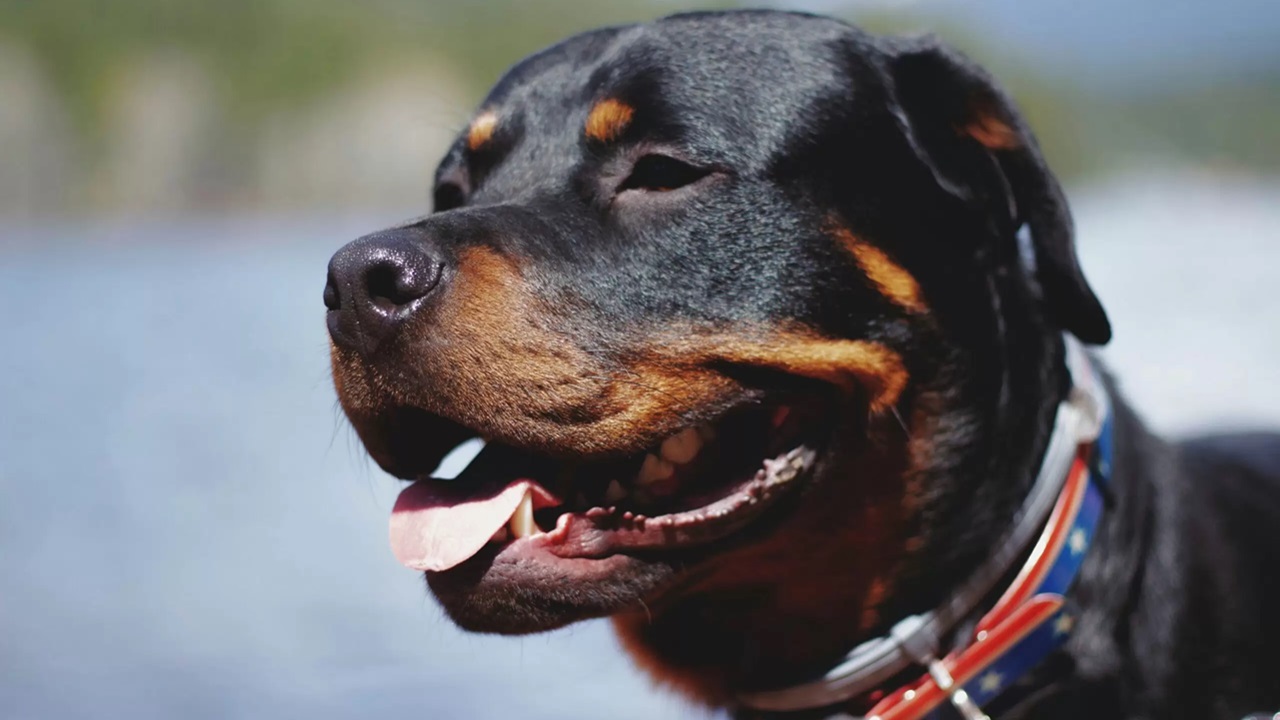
164 145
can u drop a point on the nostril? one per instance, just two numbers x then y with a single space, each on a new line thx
390 284
382 286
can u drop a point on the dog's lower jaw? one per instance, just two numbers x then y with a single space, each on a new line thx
483 596
714 645
784 607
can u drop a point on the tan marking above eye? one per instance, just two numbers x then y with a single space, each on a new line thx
890 278
481 130
608 119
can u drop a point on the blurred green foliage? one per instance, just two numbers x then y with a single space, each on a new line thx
263 55
266 54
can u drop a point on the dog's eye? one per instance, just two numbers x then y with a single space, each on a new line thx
660 173
448 196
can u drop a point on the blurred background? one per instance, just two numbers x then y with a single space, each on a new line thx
189 529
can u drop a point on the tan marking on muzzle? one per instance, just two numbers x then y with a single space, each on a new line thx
495 357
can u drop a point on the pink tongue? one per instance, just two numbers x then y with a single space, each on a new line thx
437 524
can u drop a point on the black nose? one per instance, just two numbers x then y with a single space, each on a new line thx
375 284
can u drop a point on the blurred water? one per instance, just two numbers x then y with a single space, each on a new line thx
188 530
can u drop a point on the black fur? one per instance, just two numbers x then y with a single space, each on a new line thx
799 123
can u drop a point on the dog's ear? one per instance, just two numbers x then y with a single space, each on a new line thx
974 140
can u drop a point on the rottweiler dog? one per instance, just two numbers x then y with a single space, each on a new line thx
767 327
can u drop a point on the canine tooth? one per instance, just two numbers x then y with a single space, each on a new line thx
614 493
522 524
653 470
681 447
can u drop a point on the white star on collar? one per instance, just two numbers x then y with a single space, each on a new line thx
1063 624
991 682
1078 541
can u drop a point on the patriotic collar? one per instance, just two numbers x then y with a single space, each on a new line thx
1029 621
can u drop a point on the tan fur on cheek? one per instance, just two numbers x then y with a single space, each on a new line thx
681 373
847 364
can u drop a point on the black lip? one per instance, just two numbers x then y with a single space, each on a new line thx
409 443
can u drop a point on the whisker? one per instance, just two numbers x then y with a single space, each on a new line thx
905 431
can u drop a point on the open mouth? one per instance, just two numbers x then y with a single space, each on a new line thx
698 485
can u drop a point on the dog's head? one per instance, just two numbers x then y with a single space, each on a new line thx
708 289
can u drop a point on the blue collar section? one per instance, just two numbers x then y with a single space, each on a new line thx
1033 618
1038 634
1050 535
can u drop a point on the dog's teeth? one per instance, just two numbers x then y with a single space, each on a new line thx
522 524
654 469
784 469
681 447
614 493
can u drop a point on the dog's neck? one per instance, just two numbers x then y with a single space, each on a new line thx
894 526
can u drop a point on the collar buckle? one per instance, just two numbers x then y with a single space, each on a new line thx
960 699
